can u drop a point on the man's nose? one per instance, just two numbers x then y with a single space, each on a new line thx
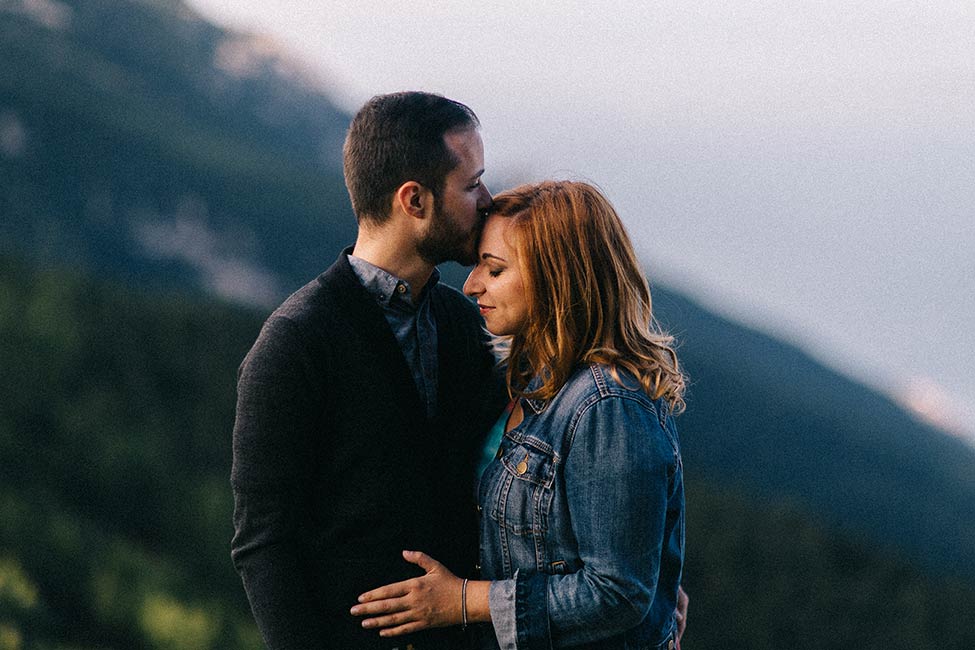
484 202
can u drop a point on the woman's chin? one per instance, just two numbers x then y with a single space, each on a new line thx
497 330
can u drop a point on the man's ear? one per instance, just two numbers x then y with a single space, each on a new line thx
413 199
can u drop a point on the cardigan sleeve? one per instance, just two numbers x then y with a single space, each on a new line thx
277 408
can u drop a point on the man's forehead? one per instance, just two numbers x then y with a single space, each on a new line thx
467 147
460 140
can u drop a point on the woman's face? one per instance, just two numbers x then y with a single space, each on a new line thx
496 281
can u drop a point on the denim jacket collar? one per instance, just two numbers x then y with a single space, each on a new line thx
535 404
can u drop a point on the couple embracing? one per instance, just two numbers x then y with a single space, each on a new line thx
362 516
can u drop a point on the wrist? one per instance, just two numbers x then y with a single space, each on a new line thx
478 608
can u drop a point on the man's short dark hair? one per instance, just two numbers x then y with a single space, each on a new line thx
397 138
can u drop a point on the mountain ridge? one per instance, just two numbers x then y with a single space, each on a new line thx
122 118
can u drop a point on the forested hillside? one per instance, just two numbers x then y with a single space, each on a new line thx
116 509
115 438
765 417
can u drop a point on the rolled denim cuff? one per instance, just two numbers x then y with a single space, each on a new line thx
519 612
501 601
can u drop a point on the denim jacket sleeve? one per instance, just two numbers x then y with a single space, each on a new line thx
618 473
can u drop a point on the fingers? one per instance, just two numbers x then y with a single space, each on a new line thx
385 606
395 590
403 629
682 603
410 605
422 560
400 589
402 620
391 621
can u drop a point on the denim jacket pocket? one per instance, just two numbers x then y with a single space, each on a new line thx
528 460
525 492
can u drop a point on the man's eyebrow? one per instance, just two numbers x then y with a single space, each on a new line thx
485 256
477 175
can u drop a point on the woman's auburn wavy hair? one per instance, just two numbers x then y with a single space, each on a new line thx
588 301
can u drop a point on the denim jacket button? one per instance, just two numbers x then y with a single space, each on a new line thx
521 468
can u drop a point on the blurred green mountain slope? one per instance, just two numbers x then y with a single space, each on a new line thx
766 417
116 508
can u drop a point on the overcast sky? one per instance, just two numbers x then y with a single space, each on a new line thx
807 167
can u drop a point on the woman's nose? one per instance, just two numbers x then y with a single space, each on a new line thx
472 286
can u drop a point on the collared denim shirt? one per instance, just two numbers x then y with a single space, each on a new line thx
582 520
413 326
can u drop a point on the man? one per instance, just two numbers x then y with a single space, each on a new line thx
363 404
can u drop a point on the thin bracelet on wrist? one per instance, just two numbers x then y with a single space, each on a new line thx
463 605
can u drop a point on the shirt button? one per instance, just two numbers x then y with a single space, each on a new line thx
477 567
478 508
401 288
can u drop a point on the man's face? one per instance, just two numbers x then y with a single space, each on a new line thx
458 210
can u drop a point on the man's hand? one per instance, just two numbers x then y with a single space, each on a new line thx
682 601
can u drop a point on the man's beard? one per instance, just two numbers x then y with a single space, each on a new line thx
445 241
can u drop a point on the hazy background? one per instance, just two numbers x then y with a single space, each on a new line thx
807 167
791 174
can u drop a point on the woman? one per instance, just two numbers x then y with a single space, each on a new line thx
582 529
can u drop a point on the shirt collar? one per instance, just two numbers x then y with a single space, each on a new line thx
385 287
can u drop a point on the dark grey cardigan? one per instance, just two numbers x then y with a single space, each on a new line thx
337 468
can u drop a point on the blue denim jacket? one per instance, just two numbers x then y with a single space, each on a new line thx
582 520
